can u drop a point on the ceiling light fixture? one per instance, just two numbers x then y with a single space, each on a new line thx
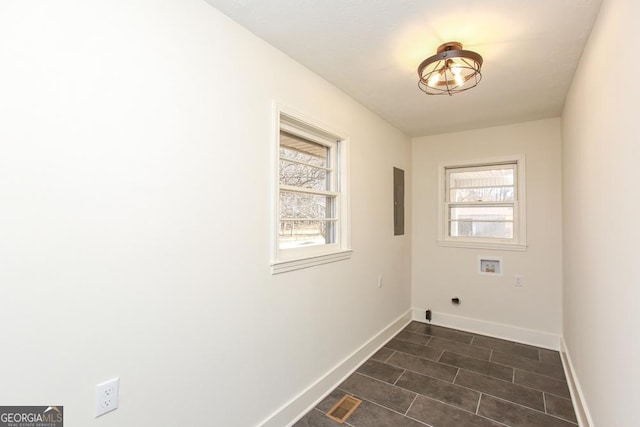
450 70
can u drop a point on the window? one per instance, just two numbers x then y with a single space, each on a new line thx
483 204
311 203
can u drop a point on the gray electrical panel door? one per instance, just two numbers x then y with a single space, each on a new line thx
398 202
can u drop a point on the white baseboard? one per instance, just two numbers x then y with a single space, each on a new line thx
497 330
579 403
295 409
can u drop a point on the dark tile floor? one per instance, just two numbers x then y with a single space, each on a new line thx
433 376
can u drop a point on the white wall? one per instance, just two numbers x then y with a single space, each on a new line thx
531 313
600 206
135 217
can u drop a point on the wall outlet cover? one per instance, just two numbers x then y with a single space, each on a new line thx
107 394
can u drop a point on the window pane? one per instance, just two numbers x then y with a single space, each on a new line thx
303 176
305 206
500 230
295 234
482 178
485 194
479 221
303 219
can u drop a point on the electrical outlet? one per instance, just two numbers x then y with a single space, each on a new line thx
518 280
107 396
379 280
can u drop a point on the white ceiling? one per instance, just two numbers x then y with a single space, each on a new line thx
372 48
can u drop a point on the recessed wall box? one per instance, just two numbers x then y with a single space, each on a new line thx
489 265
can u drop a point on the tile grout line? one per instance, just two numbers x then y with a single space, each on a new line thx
418 373
527 407
478 406
382 381
455 406
489 361
393 410
387 359
410 405
424 395
399 376
543 391
456 377
448 405
415 355
453 351
526 369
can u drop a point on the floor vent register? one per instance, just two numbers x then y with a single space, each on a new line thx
344 408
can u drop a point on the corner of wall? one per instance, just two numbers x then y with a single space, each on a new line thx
577 396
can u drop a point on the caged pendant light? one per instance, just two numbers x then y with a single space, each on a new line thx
450 70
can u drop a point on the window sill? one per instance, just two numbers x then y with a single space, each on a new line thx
298 264
484 245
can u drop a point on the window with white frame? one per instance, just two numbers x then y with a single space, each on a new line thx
483 204
311 204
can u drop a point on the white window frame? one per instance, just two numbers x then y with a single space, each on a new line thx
290 259
519 240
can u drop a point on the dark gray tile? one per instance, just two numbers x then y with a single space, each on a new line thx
413 326
542 383
440 390
328 402
381 371
502 389
413 337
477 365
517 416
382 355
527 364
460 348
423 366
415 349
315 418
371 415
379 392
438 414
446 333
560 407
550 356
506 347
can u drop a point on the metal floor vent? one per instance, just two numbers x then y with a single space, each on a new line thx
344 408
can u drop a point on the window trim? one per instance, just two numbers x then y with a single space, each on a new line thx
283 260
519 241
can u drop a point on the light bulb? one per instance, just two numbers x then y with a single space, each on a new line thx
434 79
456 70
